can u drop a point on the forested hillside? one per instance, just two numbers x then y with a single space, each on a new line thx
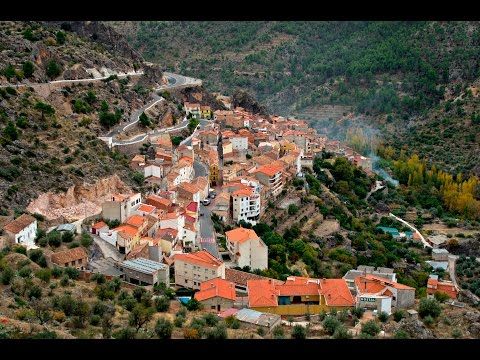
395 73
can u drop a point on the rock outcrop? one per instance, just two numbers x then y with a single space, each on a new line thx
245 100
79 201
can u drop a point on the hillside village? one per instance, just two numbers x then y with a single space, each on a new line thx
235 230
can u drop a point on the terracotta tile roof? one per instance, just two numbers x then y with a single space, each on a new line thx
135 220
136 250
246 191
336 292
19 223
269 170
99 225
67 256
241 235
433 286
158 202
189 219
138 158
170 216
371 284
202 258
146 208
167 233
261 293
216 288
127 230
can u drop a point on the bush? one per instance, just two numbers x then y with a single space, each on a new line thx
219 332
428 320
401 334
28 69
65 281
358 312
162 304
25 272
457 333
261 331
99 308
232 322
441 296
86 240
429 307
44 275
35 292
370 328
95 320
99 278
341 332
164 328
179 321
278 332
67 237
193 304
53 69
72 273
57 272
60 37
330 324
299 332
54 238
210 319
124 334
292 209
383 316
189 333
20 250
7 275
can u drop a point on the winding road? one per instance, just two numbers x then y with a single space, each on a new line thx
424 242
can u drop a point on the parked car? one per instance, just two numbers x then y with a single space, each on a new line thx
206 202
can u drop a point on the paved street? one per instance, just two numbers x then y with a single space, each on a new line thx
108 250
208 240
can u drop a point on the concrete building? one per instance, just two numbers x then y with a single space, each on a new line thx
194 268
120 207
76 258
440 254
247 249
193 109
22 230
246 205
436 286
369 287
270 176
351 275
216 294
145 272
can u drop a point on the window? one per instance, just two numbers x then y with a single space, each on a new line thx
186 281
212 307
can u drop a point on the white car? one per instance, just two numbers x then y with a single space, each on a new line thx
206 202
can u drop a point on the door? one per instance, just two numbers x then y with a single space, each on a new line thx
218 307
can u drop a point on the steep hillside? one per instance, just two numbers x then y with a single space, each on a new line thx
392 72
49 134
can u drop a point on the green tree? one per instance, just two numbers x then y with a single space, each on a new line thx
60 37
330 324
299 332
7 275
86 240
164 328
162 304
292 209
144 120
429 307
341 332
53 69
278 332
370 328
28 69
140 316
9 71
11 132
45 109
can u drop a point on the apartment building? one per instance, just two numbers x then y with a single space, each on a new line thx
247 249
270 176
120 207
246 205
194 268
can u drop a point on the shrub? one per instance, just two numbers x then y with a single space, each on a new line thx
164 328
20 250
99 278
179 321
189 333
60 37
428 320
441 296
67 237
292 209
341 332
95 320
57 272
54 238
370 328
193 304
401 334
457 333
25 272
44 275
383 316
210 319
232 322
45 334
65 281
7 275
99 308
358 312
398 315
429 307
330 324
162 304
53 69
218 332
72 273
261 331
59 316
86 240
299 332
278 333
124 334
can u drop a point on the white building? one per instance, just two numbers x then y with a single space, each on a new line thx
239 143
245 205
247 249
173 221
22 230
194 268
153 170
